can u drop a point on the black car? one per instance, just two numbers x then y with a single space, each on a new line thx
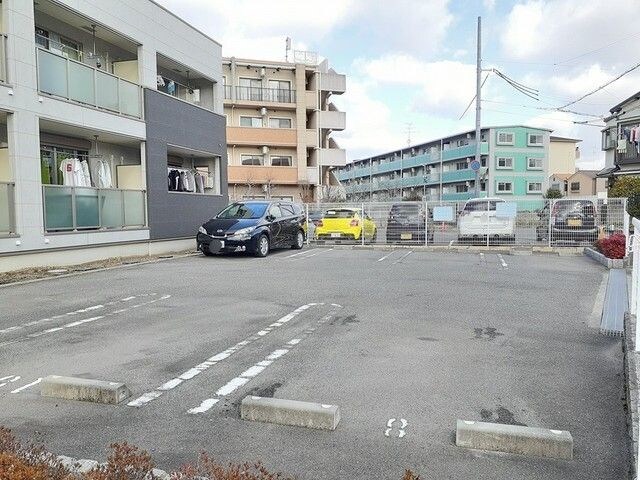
568 220
253 226
406 224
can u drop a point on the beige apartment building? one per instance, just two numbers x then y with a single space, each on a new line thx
563 153
279 124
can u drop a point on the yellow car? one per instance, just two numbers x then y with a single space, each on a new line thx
345 224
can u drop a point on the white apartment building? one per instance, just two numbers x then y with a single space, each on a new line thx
100 100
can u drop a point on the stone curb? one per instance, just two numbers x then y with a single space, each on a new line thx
538 442
607 262
83 389
84 466
561 251
290 412
631 370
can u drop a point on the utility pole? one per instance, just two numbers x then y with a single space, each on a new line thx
478 107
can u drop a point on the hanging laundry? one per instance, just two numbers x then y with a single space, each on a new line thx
86 176
171 87
160 81
72 174
191 180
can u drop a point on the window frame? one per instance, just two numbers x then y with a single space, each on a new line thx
529 167
575 189
498 167
271 157
504 183
281 118
534 192
532 144
503 132
253 118
252 155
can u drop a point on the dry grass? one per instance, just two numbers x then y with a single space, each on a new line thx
125 462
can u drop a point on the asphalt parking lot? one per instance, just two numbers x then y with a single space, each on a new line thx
428 337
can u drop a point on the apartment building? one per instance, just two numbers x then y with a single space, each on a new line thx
280 118
563 154
621 139
97 114
514 164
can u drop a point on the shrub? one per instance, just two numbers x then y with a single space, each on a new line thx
612 246
553 193
628 187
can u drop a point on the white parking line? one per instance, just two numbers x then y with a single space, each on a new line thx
381 259
75 312
502 262
253 371
319 252
296 254
24 387
403 257
219 357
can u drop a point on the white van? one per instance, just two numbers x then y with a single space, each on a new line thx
478 221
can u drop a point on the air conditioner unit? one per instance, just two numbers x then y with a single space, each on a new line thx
263 72
265 150
263 111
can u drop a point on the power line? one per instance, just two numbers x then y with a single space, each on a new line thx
597 49
601 87
547 109
555 119
474 97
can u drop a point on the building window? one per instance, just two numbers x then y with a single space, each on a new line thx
535 139
461 188
280 161
280 91
505 187
461 165
534 164
483 161
249 89
575 186
504 163
251 159
279 122
505 138
534 187
250 121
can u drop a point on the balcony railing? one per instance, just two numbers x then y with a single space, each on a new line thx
7 221
259 94
630 155
87 208
72 80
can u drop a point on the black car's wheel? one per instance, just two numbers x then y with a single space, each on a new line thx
262 246
299 241
206 252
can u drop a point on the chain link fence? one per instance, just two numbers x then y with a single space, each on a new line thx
482 221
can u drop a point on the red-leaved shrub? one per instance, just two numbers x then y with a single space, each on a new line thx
612 246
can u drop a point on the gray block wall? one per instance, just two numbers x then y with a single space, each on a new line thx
173 122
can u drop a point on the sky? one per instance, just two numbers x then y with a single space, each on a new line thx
410 64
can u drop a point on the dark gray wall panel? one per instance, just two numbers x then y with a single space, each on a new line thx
174 122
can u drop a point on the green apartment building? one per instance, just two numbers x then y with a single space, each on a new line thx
514 165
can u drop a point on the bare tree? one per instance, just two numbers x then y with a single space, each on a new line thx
305 192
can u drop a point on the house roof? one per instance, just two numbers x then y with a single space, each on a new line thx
618 107
562 176
554 138
588 173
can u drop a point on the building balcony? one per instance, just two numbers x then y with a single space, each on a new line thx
313 175
69 79
257 96
630 156
184 83
7 209
458 175
260 136
464 151
262 175
311 138
88 208
333 82
328 119
329 157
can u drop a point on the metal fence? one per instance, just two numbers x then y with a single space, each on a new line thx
558 222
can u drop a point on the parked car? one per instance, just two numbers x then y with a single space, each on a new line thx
346 224
253 226
478 220
406 224
569 220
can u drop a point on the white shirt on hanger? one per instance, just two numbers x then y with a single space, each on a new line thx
72 174
86 176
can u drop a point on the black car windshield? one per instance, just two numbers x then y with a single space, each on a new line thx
243 210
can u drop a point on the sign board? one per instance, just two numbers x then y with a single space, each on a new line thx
475 165
506 209
443 214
